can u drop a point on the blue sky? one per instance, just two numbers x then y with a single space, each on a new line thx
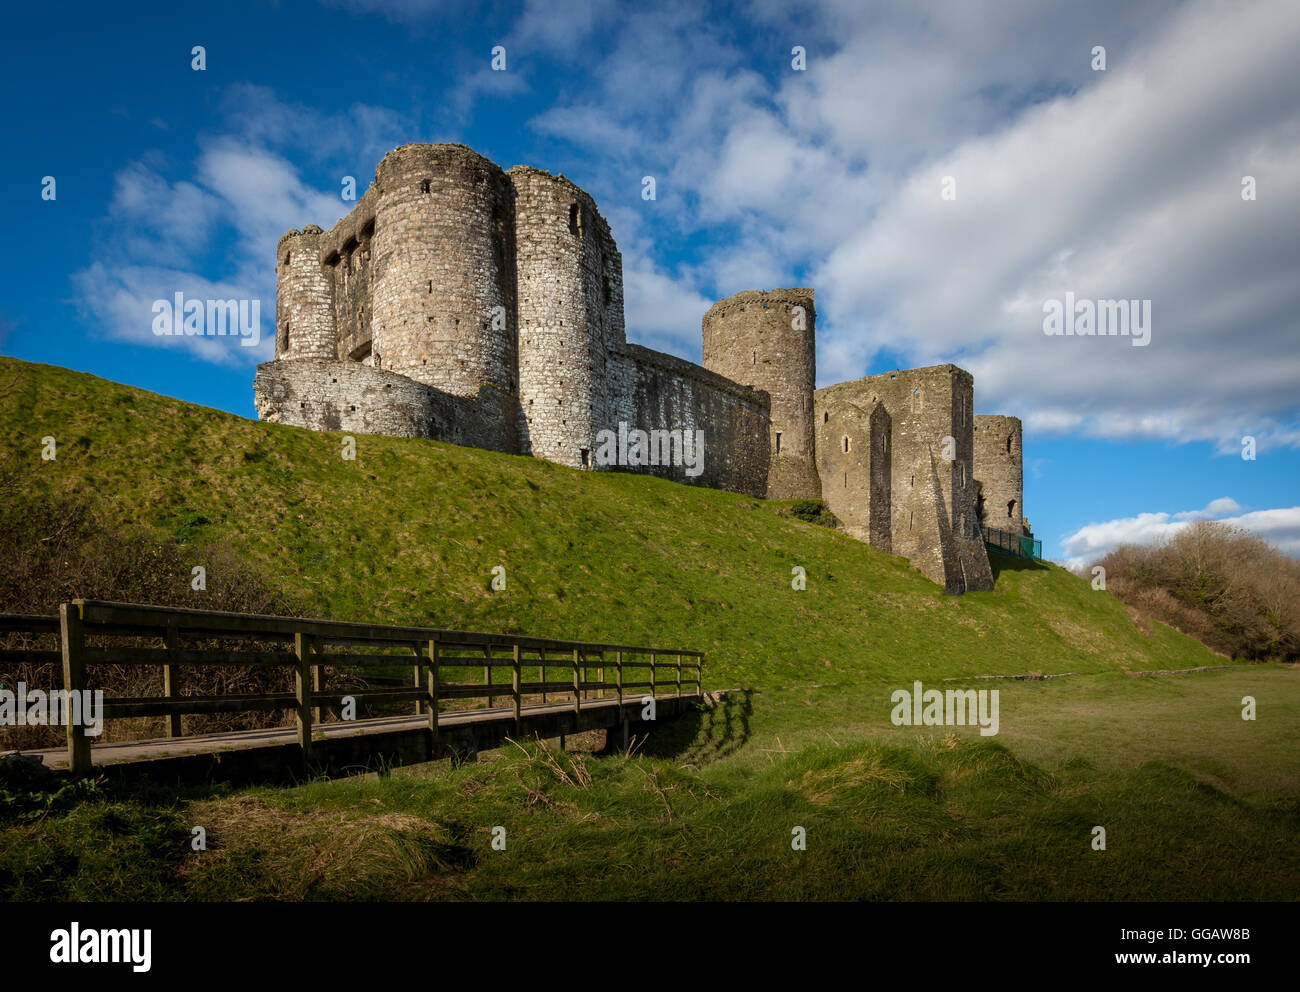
1119 183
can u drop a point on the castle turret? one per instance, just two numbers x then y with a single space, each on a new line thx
766 340
304 299
999 473
567 267
443 269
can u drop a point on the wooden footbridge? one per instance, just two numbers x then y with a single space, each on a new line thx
603 686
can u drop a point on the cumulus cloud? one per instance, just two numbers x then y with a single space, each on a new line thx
665 313
123 297
1128 187
1280 527
1122 184
159 235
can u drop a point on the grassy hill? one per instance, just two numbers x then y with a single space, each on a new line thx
1197 803
410 530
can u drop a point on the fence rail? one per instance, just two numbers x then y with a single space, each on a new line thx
433 654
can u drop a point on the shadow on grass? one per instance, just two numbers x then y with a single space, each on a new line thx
709 731
1001 562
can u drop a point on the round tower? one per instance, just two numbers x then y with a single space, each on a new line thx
565 293
766 340
304 299
443 308
999 472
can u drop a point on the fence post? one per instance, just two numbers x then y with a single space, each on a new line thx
517 682
652 675
679 675
73 636
316 711
622 713
169 681
577 688
433 685
419 703
541 670
487 672
302 682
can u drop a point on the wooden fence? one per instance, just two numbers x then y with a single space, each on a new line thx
305 646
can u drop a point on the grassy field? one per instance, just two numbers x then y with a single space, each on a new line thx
1197 803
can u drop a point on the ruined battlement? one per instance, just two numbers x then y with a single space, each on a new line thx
465 303
999 473
766 340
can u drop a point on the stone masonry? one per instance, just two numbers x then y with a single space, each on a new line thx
766 340
999 494
918 472
463 303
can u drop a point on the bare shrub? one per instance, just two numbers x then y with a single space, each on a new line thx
1231 590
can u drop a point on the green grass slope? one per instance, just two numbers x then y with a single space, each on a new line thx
1196 804
409 533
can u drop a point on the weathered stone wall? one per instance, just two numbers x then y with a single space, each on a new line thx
304 298
999 472
853 460
931 497
565 258
653 391
343 396
761 339
444 272
347 252
356 398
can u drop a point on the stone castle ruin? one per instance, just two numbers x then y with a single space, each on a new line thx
466 304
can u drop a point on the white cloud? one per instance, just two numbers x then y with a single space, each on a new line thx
1215 508
122 298
1280 527
1128 188
1115 184
158 233
662 309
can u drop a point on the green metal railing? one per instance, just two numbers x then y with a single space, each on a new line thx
1020 545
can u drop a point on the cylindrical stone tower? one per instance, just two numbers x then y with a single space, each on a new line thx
766 340
565 294
999 472
443 310
304 299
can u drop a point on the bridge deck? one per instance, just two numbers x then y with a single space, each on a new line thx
399 739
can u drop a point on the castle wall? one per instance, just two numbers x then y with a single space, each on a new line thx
653 391
999 472
347 253
931 497
304 298
444 272
342 396
360 399
567 268
761 339
853 461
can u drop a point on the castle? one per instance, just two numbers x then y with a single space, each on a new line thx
467 304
